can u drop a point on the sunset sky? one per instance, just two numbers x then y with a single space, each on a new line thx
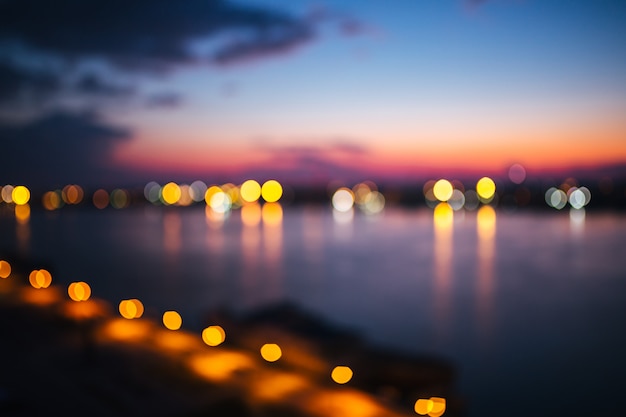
308 90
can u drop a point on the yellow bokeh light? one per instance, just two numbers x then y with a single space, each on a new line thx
271 191
443 190
438 406
131 309
171 193
250 191
40 278
271 352
210 192
172 320
20 195
486 188
79 291
5 269
423 406
341 374
213 335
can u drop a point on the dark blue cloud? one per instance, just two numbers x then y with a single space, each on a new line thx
58 148
147 35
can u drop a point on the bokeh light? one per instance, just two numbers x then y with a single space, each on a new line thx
7 193
72 194
79 291
100 199
271 191
271 352
343 199
20 195
131 309
486 189
220 202
172 320
152 192
119 198
341 374
457 200
197 190
213 335
423 406
52 200
170 193
250 191
5 269
517 173
40 278
442 190
556 198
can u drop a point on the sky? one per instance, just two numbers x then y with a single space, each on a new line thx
103 92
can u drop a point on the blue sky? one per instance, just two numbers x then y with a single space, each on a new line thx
320 89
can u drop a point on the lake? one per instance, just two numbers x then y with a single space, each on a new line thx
530 307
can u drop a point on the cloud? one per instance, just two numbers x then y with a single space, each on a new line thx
148 35
94 85
58 148
301 164
164 100
20 84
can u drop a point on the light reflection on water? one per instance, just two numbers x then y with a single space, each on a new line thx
515 300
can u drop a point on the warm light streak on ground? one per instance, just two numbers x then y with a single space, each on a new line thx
127 330
85 310
342 403
220 366
41 297
278 386
177 341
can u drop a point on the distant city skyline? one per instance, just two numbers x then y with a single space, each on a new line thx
309 91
